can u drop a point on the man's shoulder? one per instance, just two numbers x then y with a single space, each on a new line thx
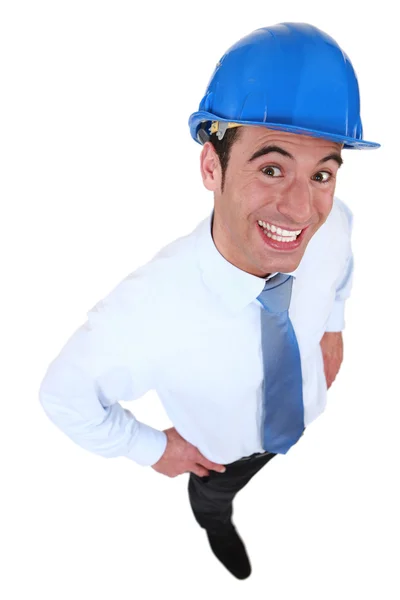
159 281
170 263
329 247
341 216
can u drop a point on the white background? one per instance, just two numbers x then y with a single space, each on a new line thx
98 173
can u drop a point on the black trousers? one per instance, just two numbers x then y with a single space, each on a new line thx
211 496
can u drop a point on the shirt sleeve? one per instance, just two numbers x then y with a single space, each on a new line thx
336 320
107 359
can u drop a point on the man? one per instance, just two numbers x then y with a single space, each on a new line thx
237 326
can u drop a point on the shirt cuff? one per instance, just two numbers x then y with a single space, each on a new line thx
149 445
336 320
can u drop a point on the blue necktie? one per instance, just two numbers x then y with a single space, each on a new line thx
283 411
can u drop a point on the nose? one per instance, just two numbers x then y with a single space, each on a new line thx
296 203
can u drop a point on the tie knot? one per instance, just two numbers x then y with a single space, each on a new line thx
277 292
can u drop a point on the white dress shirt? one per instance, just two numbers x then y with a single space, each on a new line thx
187 325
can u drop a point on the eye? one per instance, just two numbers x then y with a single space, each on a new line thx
322 176
271 170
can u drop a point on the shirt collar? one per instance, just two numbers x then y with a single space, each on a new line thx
235 287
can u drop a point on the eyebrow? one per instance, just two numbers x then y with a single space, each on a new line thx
268 149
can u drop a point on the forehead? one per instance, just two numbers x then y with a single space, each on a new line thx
253 138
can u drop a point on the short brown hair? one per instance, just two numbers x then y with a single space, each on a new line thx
223 148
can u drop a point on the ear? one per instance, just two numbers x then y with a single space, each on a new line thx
210 168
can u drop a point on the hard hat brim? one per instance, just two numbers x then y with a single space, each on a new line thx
197 118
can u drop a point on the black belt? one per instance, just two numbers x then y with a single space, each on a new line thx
255 455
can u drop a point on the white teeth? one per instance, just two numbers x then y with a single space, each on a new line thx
278 230
279 238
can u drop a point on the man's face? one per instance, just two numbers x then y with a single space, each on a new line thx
262 184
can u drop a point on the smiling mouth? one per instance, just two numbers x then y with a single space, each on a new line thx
283 242
278 233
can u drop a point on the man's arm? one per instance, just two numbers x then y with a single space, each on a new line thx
332 352
332 340
336 320
344 286
83 384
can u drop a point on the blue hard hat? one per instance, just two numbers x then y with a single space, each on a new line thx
291 77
